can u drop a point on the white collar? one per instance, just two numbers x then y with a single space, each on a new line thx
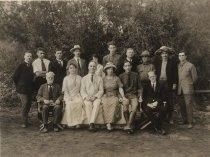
76 58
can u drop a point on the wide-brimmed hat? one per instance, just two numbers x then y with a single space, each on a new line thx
76 47
110 65
145 53
164 49
111 43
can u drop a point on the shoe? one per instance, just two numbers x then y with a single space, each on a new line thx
171 122
78 126
109 127
24 126
55 128
44 129
189 126
127 127
182 122
163 132
92 128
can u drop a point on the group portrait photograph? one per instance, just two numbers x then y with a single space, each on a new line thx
105 78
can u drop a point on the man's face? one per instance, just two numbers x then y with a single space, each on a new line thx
77 53
129 53
92 67
58 55
112 49
182 57
28 57
164 55
152 77
50 79
40 54
127 67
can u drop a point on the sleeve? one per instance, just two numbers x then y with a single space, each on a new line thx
60 94
119 83
51 67
34 65
83 89
194 74
39 96
64 86
16 75
101 89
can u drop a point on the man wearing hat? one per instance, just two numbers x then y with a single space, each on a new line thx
145 67
167 74
77 60
112 56
49 95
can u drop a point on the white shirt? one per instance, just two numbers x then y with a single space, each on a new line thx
60 61
78 59
37 65
89 88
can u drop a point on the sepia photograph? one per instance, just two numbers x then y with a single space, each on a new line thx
104 78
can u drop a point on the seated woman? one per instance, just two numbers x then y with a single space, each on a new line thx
110 100
99 67
74 114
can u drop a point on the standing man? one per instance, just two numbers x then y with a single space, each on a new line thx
130 57
112 56
133 92
23 79
167 74
40 68
187 78
49 95
91 92
77 60
145 67
58 67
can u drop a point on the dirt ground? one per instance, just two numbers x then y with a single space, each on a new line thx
180 142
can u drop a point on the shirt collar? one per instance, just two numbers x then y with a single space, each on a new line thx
76 58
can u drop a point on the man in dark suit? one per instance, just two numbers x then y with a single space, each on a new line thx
155 102
58 67
23 78
50 95
128 56
77 60
167 74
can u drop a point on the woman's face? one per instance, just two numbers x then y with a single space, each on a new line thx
110 71
72 69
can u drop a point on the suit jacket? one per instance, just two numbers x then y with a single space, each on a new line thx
83 66
60 71
23 78
171 72
108 58
149 95
43 93
187 77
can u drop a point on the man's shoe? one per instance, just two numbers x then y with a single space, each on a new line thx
163 132
44 129
109 127
24 126
127 127
78 126
190 126
55 128
92 128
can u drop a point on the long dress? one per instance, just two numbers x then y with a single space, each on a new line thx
112 109
74 113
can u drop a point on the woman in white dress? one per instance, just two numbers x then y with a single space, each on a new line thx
74 114
99 67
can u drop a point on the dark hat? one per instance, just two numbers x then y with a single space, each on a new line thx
164 49
76 47
145 53
111 43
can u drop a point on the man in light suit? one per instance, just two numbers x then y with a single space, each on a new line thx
50 95
187 77
77 60
91 92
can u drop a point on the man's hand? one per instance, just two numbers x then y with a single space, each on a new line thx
174 86
47 102
57 102
88 98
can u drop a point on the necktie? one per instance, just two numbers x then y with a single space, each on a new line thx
50 92
153 86
43 65
91 78
79 68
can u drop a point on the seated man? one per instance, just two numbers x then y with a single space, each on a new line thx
49 95
91 91
154 102
133 90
